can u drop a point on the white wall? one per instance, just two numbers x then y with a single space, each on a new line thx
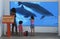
1 11
37 29
59 20
34 0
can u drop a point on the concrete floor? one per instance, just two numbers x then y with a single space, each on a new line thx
37 36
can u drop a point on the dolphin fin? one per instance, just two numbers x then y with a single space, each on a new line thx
42 17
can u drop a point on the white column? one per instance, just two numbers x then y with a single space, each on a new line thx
1 11
6 7
59 20
6 12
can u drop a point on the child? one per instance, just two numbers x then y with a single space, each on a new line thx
32 25
13 12
20 28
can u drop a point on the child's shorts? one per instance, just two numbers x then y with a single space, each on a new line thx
32 26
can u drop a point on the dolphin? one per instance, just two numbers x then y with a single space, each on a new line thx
41 10
24 12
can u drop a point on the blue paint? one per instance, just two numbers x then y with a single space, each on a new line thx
48 21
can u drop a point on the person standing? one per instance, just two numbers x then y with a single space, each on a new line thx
13 12
32 26
20 27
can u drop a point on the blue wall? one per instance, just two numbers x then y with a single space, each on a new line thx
47 21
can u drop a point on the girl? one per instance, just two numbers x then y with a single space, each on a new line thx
32 25
20 28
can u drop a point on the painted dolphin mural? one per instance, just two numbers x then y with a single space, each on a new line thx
24 12
35 7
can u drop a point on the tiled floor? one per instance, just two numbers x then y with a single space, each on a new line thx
37 36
